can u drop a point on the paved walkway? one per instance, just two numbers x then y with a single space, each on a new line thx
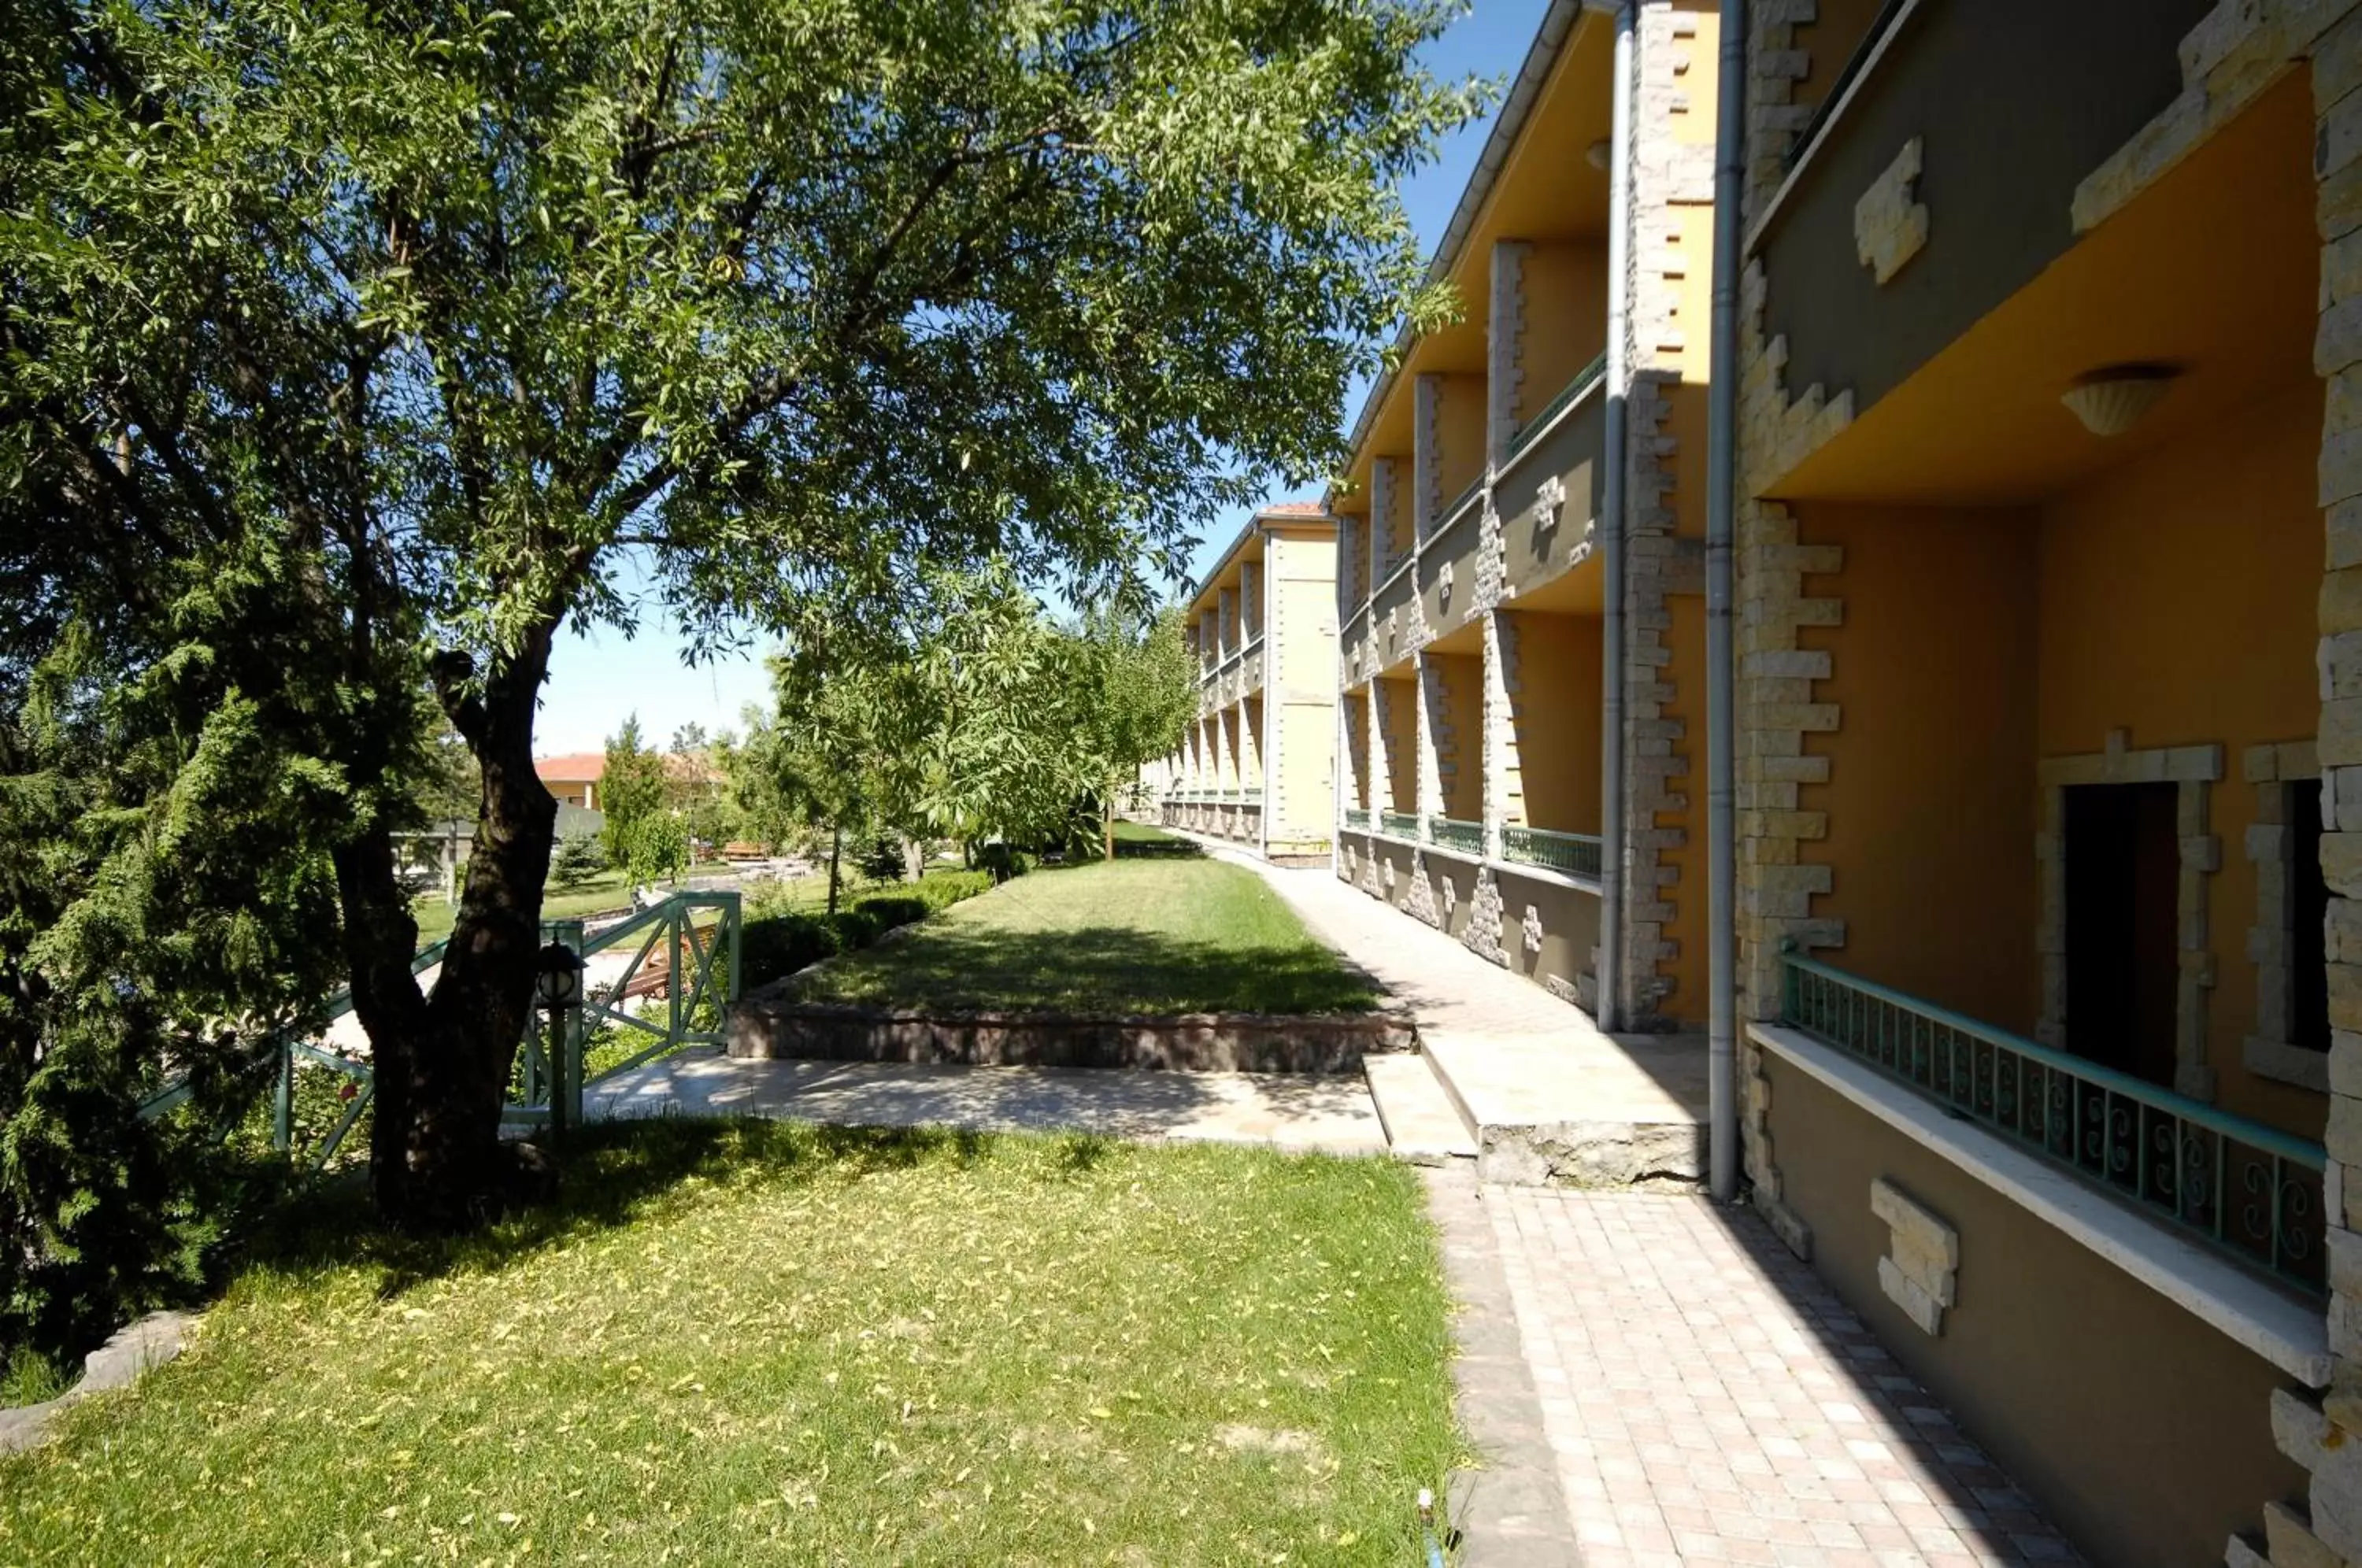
1302 1112
1704 1398
1540 1059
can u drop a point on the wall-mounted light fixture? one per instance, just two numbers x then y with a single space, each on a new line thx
2113 399
1598 153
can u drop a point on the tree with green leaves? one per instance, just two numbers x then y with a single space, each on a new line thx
633 787
1135 691
752 773
348 351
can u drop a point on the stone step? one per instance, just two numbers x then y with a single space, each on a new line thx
1576 1106
1422 1123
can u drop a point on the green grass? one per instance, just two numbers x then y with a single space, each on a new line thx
1140 832
28 1377
779 1345
1143 937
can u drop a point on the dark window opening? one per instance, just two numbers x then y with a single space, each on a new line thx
2124 875
2308 912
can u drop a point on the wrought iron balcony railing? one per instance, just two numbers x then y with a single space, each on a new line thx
1455 832
2251 1190
1357 818
1399 825
1586 379
1576 854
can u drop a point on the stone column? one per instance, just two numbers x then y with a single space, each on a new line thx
1384 475
1228 616
2322 1441
1250 602
1505 330
1504 797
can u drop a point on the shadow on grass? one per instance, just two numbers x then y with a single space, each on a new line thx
611 1175
1092 970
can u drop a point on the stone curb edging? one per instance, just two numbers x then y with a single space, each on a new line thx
123 1359
765 1029
1507 1510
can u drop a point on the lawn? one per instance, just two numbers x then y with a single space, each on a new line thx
777 1344
1135 936
1142 832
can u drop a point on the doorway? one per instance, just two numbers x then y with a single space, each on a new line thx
2124 868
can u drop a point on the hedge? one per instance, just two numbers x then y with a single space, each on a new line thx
779 944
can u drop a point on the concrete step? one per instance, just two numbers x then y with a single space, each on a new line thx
1422 1123
1576 1106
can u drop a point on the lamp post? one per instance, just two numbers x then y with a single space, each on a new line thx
559 985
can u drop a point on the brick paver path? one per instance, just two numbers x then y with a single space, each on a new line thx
1706 1398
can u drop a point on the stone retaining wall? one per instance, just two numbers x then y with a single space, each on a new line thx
761 1030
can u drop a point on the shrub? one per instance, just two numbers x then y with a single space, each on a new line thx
780 945
890 910
856 927
782 942
882 861
943 888
1003 861
578 859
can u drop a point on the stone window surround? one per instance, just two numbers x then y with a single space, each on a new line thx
2196 769
2277 770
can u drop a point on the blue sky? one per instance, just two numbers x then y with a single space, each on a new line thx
596 680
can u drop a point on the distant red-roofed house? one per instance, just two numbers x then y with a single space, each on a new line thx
573 778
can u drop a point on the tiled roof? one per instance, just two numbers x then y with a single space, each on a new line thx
573 767
576 766
1295 509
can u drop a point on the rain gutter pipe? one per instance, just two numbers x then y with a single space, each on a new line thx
1722 498
1609 992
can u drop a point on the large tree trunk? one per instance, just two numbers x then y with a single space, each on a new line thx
442 1062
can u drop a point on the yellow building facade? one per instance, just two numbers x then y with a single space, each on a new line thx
1258 764
2046 504
1520 532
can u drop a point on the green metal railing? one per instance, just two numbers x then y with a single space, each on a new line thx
1872 39
1576 854
2249 1189
698 970
1456 832
706 951
1586 379
1357 818
1399 825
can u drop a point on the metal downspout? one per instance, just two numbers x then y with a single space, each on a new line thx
1610 979
1722 501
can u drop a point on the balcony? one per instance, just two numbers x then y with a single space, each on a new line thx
2001 171
1403 825
1454 832
1447 567
1548 493
1572 854
2238 1185
1393 617
1357 818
